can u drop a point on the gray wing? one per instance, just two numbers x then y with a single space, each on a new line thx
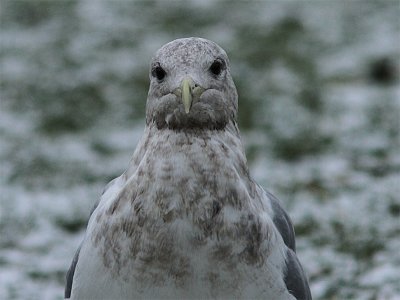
282 222
70 274
294 276
71 270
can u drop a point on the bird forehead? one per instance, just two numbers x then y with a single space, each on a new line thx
189 52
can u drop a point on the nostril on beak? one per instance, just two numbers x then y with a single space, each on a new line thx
189 92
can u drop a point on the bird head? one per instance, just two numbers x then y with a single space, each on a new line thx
191 86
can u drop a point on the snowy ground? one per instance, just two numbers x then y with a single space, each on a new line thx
320 117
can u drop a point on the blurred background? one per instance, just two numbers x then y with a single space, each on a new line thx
319 103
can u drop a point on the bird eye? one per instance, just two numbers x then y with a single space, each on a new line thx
158 72
216 67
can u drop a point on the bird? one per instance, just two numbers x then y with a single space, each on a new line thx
186 220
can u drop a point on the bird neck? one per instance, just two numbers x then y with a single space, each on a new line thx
188 147
197 168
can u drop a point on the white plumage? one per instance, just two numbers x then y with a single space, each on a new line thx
186 220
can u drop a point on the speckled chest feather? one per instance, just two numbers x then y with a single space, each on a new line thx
187 213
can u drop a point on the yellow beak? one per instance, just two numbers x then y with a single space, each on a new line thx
189 92
187 96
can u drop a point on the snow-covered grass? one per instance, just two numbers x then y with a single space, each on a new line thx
320 117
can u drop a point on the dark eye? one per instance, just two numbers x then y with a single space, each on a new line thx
158 73
216 67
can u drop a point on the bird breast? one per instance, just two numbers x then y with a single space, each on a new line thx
189 216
